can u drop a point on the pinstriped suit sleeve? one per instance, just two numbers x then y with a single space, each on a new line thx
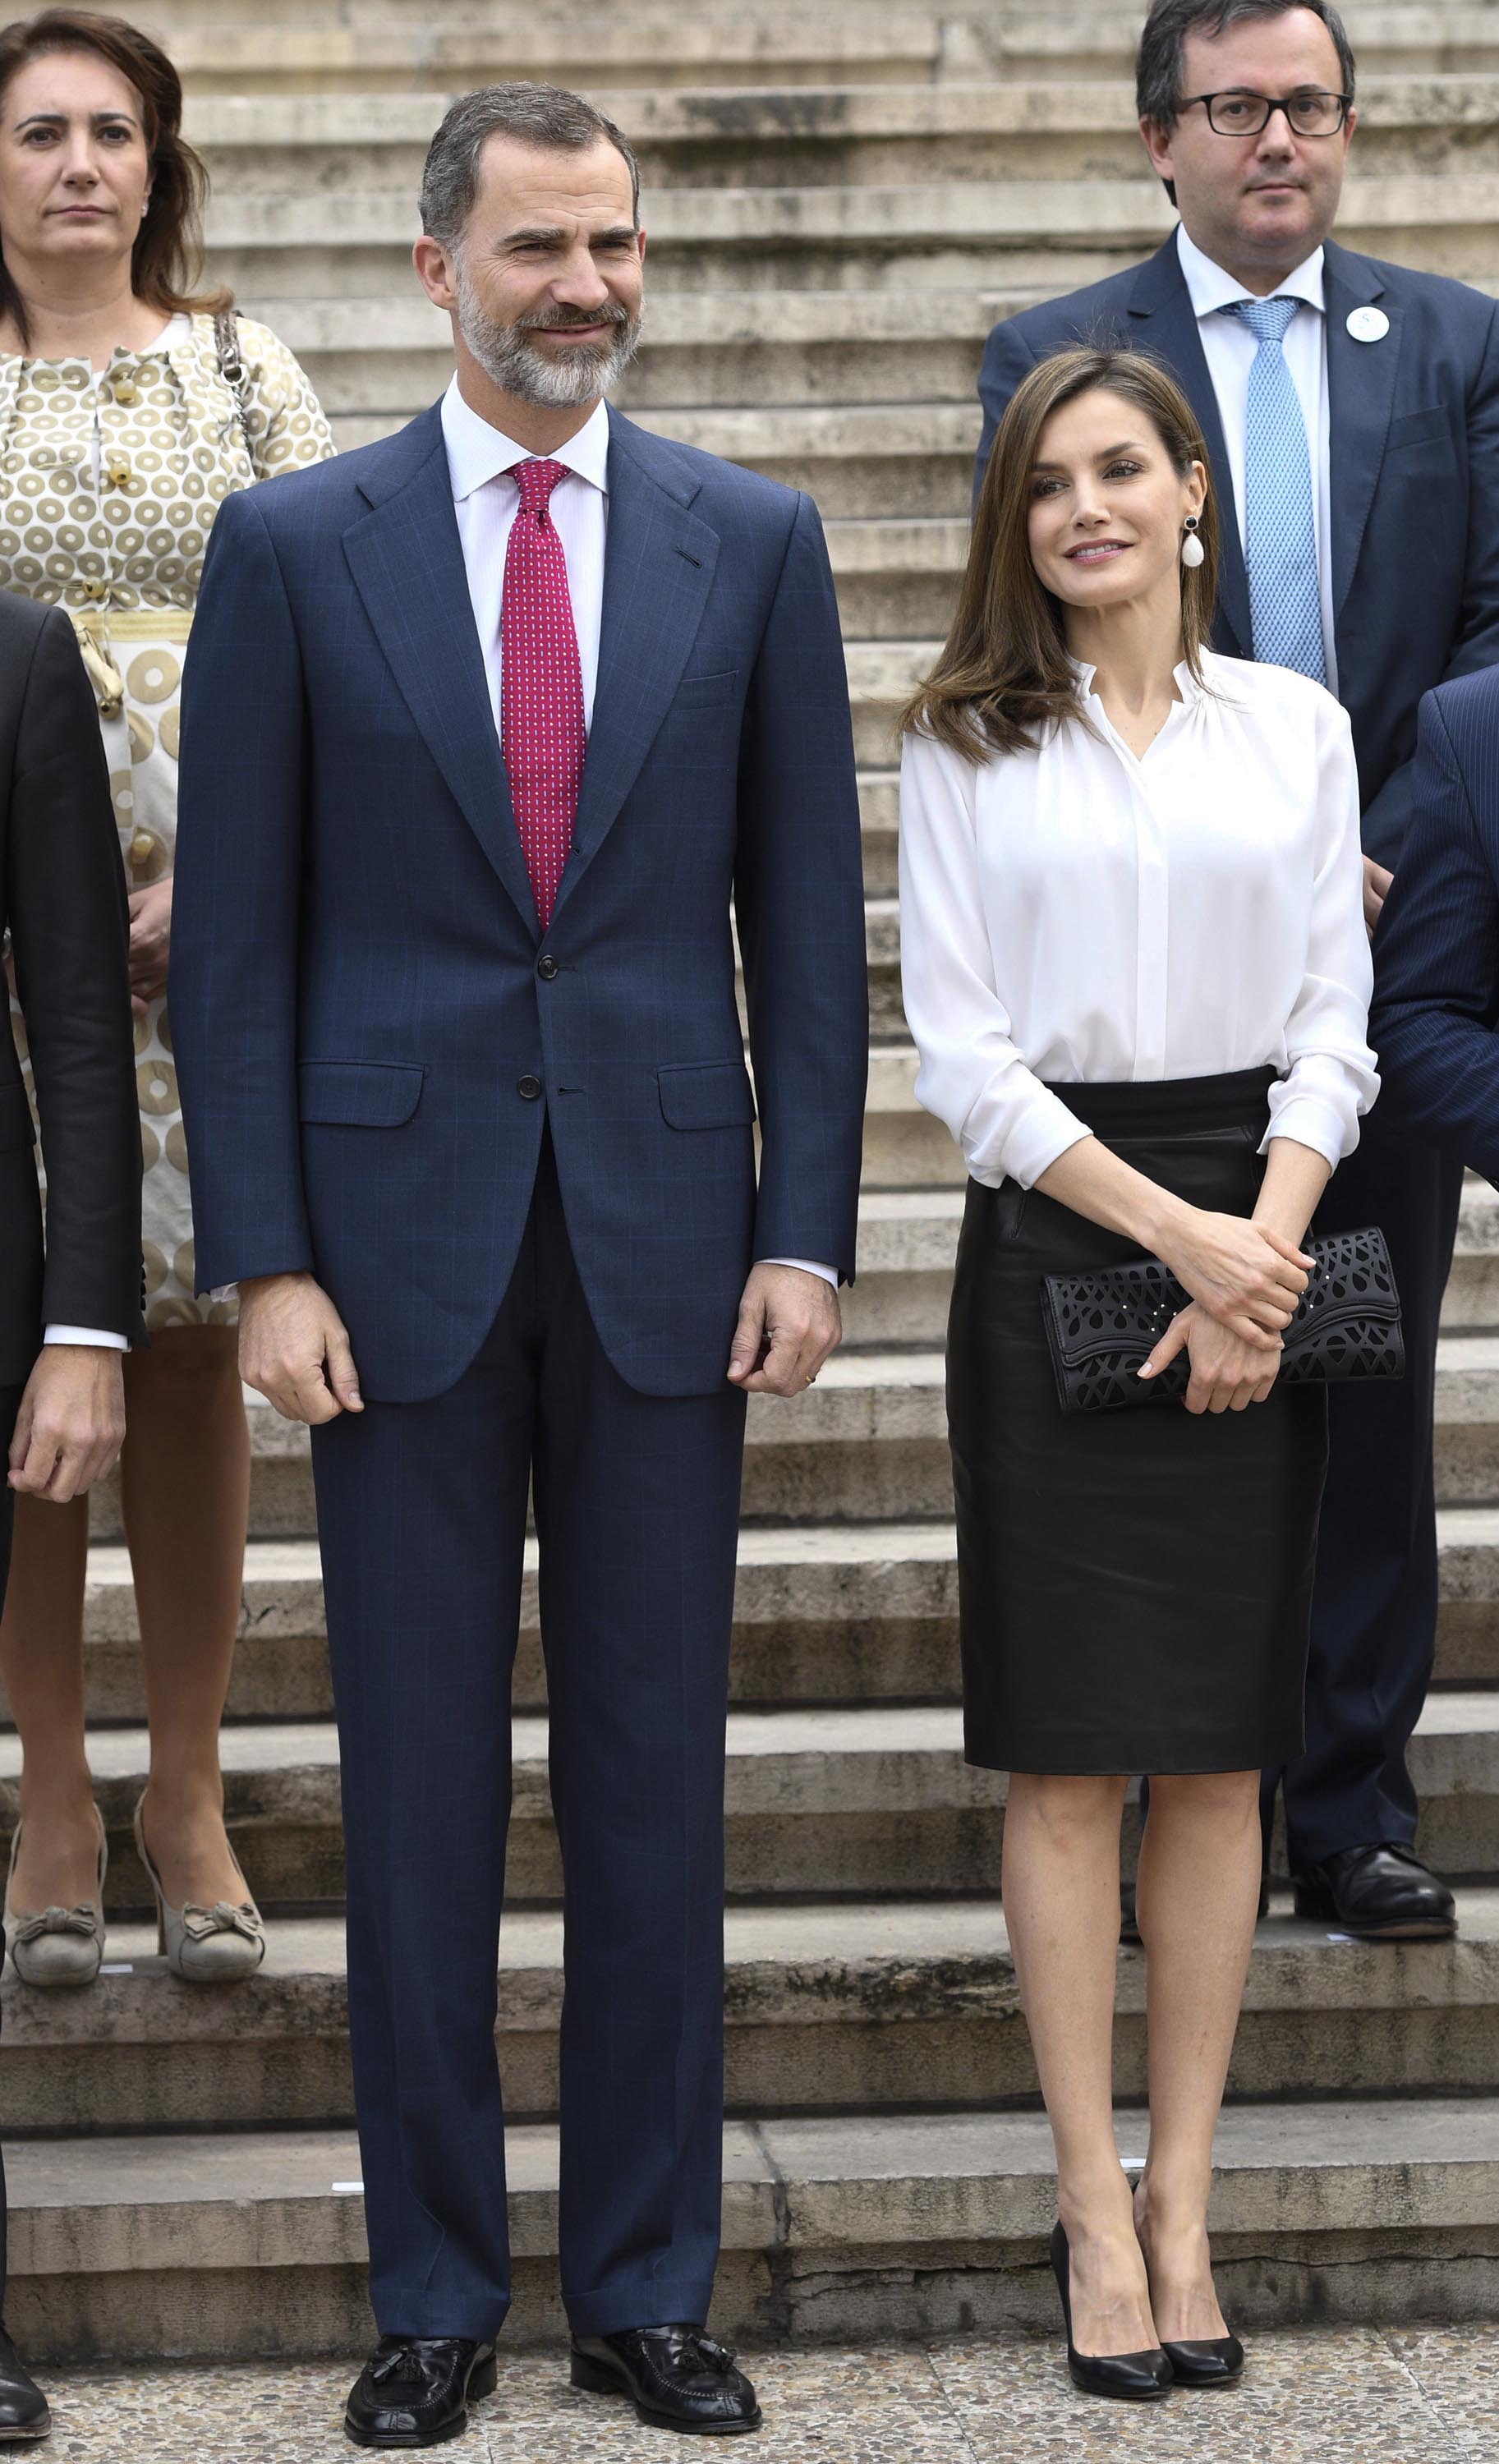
799 904
1437 958
234 909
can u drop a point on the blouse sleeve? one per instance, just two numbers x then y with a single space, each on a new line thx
971 1074
1332 1076
283 417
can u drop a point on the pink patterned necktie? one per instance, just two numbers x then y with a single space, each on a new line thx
540 695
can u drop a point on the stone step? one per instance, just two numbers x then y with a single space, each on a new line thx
340 46
315 145
833 2229
355 52
701 235
850 1801
895 2003
825 1613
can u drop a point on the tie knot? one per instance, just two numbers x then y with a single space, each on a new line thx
536 481
1267 320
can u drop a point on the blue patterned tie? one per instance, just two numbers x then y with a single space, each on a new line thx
1279 521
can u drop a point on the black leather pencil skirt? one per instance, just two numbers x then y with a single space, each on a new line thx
1135 1586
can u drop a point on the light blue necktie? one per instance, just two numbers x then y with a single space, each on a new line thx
1279 520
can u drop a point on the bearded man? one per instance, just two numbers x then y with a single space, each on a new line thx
483 727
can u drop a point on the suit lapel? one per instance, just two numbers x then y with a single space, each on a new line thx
407 562
1360 384
1162 304
658 569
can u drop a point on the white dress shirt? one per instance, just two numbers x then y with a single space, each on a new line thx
1229 348
1073 913
481 462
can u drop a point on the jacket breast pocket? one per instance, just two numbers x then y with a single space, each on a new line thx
15 1118
718 692
706 1096
360 1094
1430 427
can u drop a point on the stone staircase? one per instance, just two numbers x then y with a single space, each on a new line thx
840 203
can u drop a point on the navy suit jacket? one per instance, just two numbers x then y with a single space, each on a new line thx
1435 1017
1415 481
362 1018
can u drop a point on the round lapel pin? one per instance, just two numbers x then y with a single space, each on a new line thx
1368 325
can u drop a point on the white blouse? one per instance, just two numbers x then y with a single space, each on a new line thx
1076 913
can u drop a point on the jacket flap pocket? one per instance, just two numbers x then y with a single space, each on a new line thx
706 1096
360 1094
707 693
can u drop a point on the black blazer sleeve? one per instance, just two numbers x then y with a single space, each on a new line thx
65 900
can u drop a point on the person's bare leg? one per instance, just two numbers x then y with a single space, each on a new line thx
1062 1908
185 1496
41 1658
1198 1896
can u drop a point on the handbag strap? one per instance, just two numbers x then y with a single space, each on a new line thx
231 368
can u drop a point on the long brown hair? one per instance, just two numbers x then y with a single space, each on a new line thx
1005 672
166 260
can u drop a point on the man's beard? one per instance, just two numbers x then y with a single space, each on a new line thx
561 379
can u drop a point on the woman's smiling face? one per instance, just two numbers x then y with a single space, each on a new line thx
1108 507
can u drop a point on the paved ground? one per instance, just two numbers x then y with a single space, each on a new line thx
1403 2396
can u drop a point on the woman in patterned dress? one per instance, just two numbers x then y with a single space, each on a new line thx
127 410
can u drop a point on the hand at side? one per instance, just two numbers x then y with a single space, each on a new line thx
789 1323
70 1424
293 1349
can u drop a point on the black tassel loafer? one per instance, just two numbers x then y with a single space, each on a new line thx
678 2378
416 2390
1206 2361
1140 2378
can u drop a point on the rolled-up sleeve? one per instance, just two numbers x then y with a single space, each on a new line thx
1332 1078
971 1072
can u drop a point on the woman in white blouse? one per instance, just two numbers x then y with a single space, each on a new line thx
1137 974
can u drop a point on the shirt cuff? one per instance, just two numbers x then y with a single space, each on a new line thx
91 1335
806 1266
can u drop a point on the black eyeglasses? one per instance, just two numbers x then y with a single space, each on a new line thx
1238 114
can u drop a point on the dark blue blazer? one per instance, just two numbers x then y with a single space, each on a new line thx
1435 1023
365 1012
1415 481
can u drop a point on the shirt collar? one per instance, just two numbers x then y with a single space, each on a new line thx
1187 685
477 453
1209 288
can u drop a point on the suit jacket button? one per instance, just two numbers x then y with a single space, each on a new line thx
529 1087
546 968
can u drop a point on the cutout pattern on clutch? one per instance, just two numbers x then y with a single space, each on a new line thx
1102 1327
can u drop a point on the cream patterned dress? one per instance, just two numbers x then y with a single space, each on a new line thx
108 488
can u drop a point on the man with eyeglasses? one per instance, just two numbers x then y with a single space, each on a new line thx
1350 413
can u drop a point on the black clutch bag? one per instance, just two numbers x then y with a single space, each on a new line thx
1103 1327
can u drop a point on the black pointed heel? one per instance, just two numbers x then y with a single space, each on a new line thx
1137 2377
1206 2361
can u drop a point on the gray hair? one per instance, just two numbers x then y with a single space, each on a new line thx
534 115
1158 67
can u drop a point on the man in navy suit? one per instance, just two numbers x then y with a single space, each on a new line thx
1350 413
1438 946
484 728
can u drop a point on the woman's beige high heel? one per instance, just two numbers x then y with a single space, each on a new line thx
58 1946
214 1946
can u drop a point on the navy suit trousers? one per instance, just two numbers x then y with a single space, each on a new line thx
422 1510
1374 1618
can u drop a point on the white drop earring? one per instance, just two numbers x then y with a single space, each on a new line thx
1192 551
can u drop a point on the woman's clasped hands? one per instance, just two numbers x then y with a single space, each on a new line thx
1245 1280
